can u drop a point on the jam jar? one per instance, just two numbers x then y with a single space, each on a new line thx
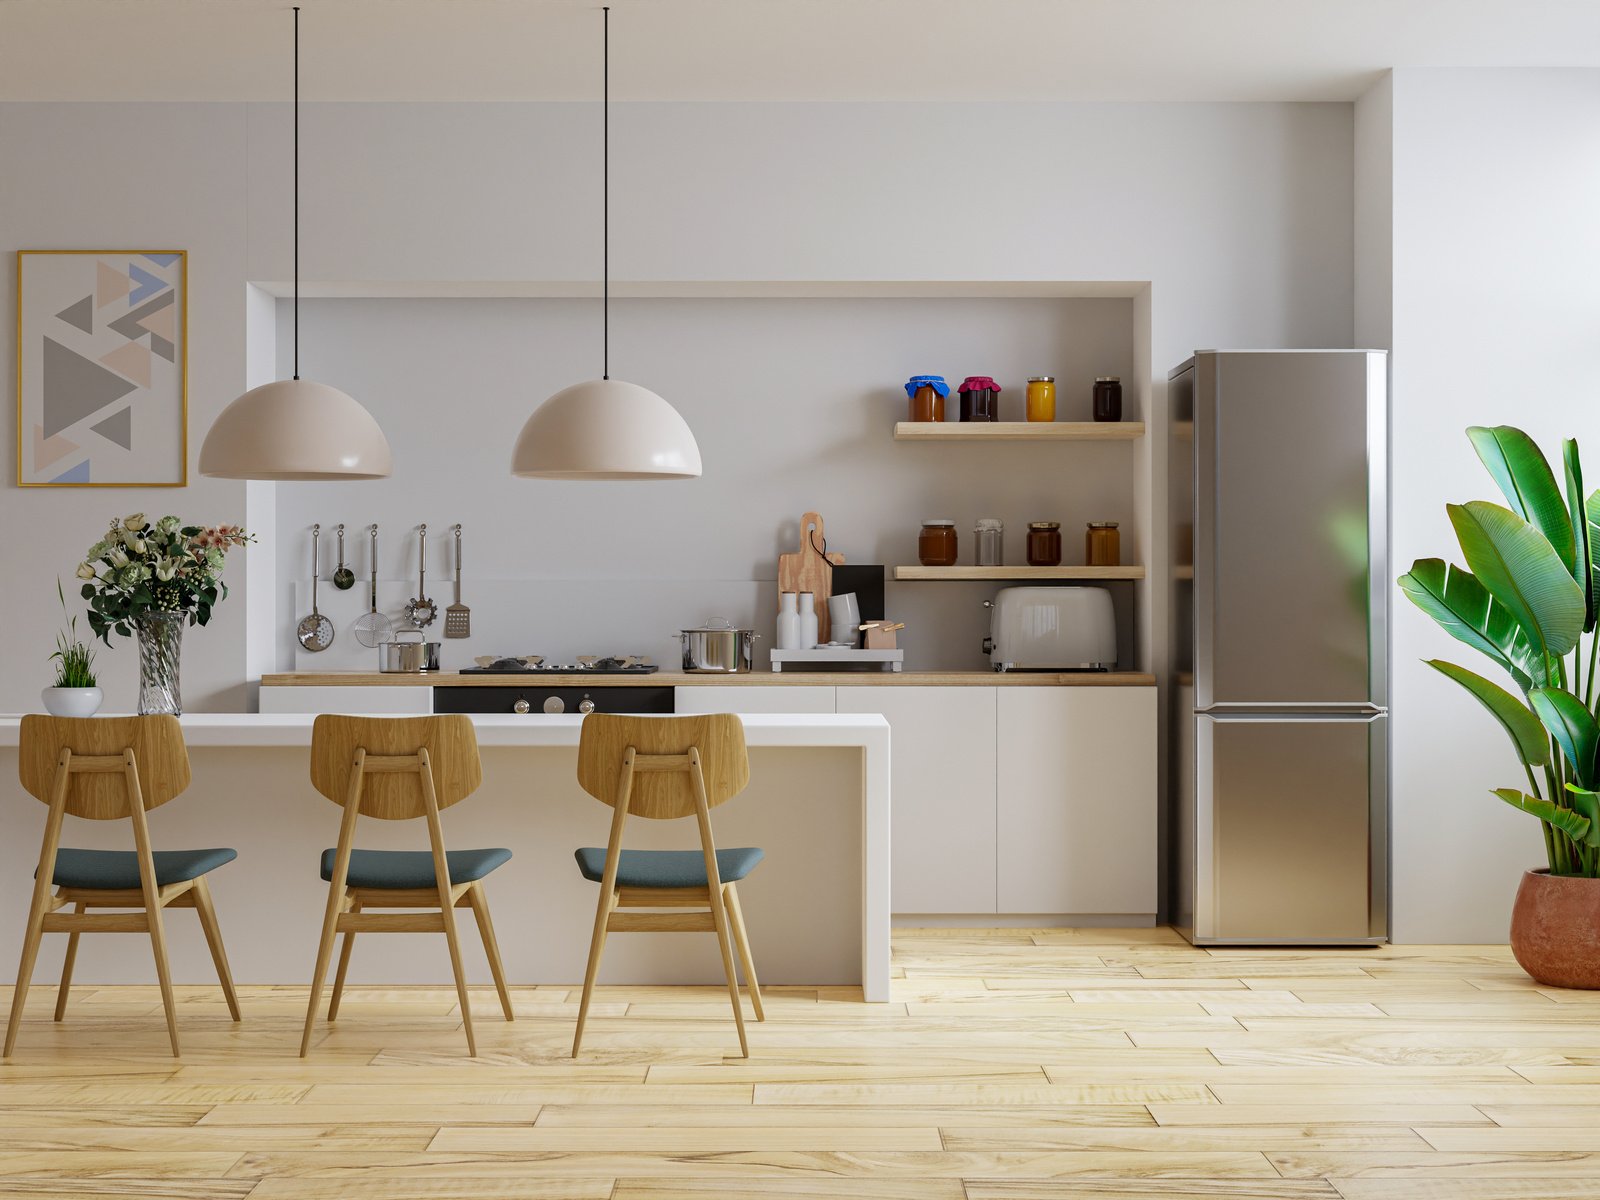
1107 398
926 394
1044 543
1041 402
1102 544
980 399
936 544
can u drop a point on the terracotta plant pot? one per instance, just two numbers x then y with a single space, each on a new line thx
1555 929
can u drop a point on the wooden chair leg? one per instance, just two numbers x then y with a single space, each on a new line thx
30 955
479 900
330 925
597 943
741 941
66 967
158 944
454 940
719 917
345 947
207 913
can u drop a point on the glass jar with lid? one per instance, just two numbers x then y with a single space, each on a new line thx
1107 398
936 544
1102 544
1044 543
989 536
980 398
1041 398
926 394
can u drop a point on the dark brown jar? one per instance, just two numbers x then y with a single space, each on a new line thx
980 399
936 544
1108 398
1044 543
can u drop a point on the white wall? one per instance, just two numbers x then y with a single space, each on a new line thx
1239 215
1496 297
792 402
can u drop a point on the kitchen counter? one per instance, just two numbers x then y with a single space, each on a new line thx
789 678
818 908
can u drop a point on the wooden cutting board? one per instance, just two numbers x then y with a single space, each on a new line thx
806 570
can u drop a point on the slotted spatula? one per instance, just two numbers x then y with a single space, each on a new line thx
458 617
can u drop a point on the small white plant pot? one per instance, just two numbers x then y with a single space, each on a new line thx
72 701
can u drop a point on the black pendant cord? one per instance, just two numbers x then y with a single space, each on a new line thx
297 191
605 196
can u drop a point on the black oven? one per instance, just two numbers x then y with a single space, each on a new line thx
535 699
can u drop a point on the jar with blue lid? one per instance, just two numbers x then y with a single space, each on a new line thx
927 393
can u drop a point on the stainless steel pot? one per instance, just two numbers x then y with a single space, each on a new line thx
408 657
718 649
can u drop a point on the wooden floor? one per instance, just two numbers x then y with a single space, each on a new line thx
1011 1064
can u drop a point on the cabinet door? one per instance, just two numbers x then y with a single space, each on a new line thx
942 814
1077 800
753 698
399 699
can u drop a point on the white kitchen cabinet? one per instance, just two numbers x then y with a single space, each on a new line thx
942 794
1076 794
753 698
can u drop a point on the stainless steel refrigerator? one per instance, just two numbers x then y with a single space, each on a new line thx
1278 533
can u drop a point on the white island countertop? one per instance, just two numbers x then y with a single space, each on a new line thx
786 784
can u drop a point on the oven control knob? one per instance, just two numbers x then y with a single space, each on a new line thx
555 704
521 706
586 706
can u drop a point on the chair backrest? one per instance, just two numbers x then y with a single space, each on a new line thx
99 790
663 795
395 793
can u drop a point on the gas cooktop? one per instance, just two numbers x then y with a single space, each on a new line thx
533 664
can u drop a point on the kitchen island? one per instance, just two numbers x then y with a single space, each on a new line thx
817 908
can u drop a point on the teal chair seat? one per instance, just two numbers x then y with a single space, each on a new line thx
668 868
118 870
407 869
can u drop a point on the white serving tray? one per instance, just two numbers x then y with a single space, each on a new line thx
835 656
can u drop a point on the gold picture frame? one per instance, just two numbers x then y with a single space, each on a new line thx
102 368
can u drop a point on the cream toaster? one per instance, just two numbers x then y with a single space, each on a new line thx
1051 629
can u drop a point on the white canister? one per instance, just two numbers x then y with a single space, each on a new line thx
788 621
808 621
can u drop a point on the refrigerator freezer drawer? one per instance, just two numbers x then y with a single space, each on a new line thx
1290 829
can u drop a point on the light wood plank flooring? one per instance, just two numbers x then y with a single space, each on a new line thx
1012 1065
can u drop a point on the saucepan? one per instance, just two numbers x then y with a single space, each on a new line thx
397 657
718 649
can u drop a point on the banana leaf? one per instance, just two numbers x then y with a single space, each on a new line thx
1519 467
1518 566
1583 546
1587 803
1591 509
1569 821
1524 729
1464 609
1573 726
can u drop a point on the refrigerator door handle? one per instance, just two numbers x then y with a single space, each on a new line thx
1365 716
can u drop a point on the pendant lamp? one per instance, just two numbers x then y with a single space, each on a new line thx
605 428
295 428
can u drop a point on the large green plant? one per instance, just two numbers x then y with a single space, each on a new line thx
1527 599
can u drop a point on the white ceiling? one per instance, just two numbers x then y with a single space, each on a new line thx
770 49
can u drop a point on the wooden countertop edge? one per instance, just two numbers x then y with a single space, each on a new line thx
753 679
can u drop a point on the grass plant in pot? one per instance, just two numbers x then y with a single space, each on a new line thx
76 692
1527 600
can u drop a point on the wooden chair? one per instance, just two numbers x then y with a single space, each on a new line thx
397 769
104 769
663 768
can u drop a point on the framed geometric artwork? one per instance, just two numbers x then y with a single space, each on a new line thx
102 370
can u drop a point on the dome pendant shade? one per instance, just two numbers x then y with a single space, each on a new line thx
295 429
606 429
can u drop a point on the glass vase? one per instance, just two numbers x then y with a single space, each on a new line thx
160 643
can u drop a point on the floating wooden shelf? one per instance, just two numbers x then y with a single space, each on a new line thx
1018 573
1018 431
